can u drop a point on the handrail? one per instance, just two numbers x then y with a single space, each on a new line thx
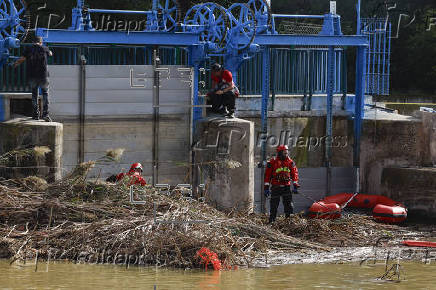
297 16
119 11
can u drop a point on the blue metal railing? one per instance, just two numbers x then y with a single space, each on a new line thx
377 55
295 71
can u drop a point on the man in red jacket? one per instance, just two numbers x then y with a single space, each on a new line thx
135 175
280 173
223 95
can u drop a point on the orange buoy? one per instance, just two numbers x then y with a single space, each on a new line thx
389 214
324 210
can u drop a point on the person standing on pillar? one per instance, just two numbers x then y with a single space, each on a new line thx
37 75
223 95
281 172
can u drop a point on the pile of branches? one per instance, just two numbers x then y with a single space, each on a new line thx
351 230
94 221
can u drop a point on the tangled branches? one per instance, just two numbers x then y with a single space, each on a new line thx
95 222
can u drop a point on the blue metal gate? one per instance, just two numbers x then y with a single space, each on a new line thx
377 55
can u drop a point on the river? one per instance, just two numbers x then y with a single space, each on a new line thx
414 275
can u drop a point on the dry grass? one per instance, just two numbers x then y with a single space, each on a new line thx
41 151
115 154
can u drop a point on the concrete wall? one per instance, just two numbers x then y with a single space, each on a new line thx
415 187
390 143
429 140
119 116
22 134
385 143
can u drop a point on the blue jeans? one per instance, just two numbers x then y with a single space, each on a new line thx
44 85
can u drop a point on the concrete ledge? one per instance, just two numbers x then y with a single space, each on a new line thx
27 133
290 114
415 187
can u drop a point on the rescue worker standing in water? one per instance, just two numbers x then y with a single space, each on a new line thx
281 173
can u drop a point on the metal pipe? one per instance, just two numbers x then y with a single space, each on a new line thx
344 79
305 79
311 78
273 80
388 57
156 62
264 113
297 16
329 119
82 107
193 177
120 11
358 113
358 31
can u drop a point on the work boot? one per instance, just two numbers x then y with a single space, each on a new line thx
35 116
47 118
230 115
223 111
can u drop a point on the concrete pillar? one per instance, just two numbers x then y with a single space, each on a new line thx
24 133
224 162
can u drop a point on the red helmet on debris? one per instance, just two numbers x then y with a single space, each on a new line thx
136 166
282 148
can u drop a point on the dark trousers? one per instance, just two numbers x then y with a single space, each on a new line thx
276 193
220 102
35 84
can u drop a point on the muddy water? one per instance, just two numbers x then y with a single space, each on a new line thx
65 275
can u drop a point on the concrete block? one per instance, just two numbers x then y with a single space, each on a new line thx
26 133
429 128
220 140
388 143
415 187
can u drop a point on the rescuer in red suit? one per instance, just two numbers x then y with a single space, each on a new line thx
223 95
135 175
281 172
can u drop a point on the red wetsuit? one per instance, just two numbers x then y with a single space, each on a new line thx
135 178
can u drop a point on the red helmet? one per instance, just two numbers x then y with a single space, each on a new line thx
282 148
136 166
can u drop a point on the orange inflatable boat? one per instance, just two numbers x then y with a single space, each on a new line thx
384 209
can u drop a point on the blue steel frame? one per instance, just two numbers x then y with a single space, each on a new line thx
331 36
